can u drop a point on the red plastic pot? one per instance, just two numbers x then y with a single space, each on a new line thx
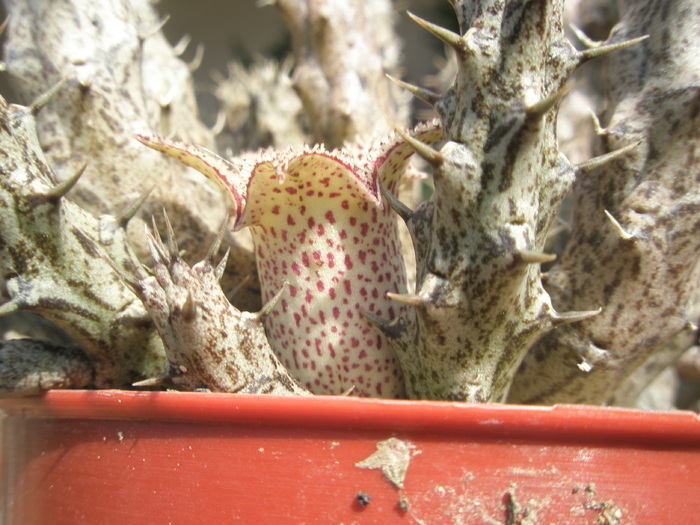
115 457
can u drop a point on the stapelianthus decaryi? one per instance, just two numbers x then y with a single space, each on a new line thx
339 315
479 303
319 224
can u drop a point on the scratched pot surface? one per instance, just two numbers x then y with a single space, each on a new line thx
120 457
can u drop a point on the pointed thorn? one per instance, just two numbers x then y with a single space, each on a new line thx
158 27
155 244
172 243
193 65
425 95
602 50
133 208
624 234
590 165
240 285
9 307
152 381
62 188
528 257
270 305
189 309
220 123
599 130
583 37
389 329
573 317
44 98
181 46
541 108
453 40
409 299
395 204
3 26
216 245
431 156
129 280
221 267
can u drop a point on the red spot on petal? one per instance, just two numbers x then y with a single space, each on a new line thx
305 259
345 205
362 255
329 217
331 292
364 229
354 343
311 223
348 288
348 261
297 319
336 312
334 194
320 230
290 221
308 297
291 191
353 221
275 210
331 260
296 269
319 286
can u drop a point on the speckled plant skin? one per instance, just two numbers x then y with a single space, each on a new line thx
51 258
209 344
499 179
122 76
342 51
636 233
319 224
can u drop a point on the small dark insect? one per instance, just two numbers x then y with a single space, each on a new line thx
363 498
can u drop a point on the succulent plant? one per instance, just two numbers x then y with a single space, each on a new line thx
483 321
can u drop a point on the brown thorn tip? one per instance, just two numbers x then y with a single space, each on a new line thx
172 243
155 244
573 317
44 98
602 50
624 234
408 298
431 156
590 165
395 204
542 107
133 208
388 329
216 245
270 305
62 188
129 280
453 40
424 94
535 257
189 308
